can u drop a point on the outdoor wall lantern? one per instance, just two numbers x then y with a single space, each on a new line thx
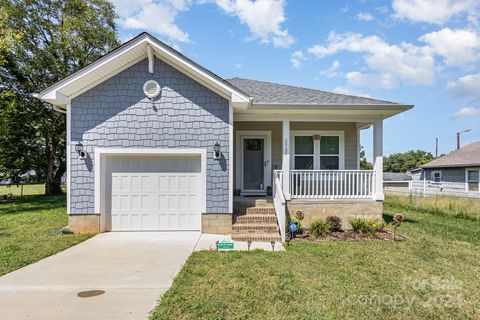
216 151
79 149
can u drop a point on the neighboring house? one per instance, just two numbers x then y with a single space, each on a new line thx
157 142
397 182
455 174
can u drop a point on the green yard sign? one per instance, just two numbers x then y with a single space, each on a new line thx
225 245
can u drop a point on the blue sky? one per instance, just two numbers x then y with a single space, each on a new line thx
422 52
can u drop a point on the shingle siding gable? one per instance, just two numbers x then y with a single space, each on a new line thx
116 114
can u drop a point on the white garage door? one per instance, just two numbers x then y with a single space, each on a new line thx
156 200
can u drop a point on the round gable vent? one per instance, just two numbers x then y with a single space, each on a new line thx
152 89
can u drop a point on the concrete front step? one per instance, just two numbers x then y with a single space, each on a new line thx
256 237
254 218
253 210
255 227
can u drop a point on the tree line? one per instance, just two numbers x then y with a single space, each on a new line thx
400 161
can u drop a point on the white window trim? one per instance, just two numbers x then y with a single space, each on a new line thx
316 146
467 189
433 176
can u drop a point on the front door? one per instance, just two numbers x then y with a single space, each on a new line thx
255 162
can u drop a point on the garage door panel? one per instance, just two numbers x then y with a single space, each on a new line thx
194 182
156 201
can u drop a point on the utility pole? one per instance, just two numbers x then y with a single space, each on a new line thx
458 137
436 147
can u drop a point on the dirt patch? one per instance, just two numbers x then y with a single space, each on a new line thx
350 235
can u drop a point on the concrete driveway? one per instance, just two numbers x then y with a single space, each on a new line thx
133 268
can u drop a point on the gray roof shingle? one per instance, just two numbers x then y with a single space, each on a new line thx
467 156
274 93
396 176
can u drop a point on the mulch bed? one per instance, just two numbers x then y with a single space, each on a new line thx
350 235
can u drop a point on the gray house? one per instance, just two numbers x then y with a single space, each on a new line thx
455 174
157 142
397 182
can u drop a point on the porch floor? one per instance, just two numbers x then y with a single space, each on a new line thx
253 201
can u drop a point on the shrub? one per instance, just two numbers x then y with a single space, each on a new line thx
367 226
357 224
320 228
377 224
335 223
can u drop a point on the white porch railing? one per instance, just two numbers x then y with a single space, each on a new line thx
279 201
332 184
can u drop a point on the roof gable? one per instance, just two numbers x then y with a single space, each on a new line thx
466 156
126 55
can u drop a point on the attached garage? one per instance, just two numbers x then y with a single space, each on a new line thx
157 191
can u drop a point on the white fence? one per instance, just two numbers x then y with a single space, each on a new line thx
332 184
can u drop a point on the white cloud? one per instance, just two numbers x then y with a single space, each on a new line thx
433 11
468 111
297 59
263 17
332 72
372 80
364 16
153 15
382 9
457 47
389 63
468 85
349 91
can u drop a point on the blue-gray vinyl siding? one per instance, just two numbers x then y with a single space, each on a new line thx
116 114
452 183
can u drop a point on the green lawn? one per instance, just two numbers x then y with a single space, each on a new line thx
26 190
28 230
434 274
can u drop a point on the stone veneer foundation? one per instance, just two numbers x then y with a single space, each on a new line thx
84 223
342 209
217 223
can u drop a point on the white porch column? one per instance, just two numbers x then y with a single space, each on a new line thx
378 159
286 157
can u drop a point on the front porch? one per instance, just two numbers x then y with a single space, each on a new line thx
284 166
311 160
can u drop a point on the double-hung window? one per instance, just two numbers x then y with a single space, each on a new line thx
473 180
330 152
304 152
437 176
315 150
